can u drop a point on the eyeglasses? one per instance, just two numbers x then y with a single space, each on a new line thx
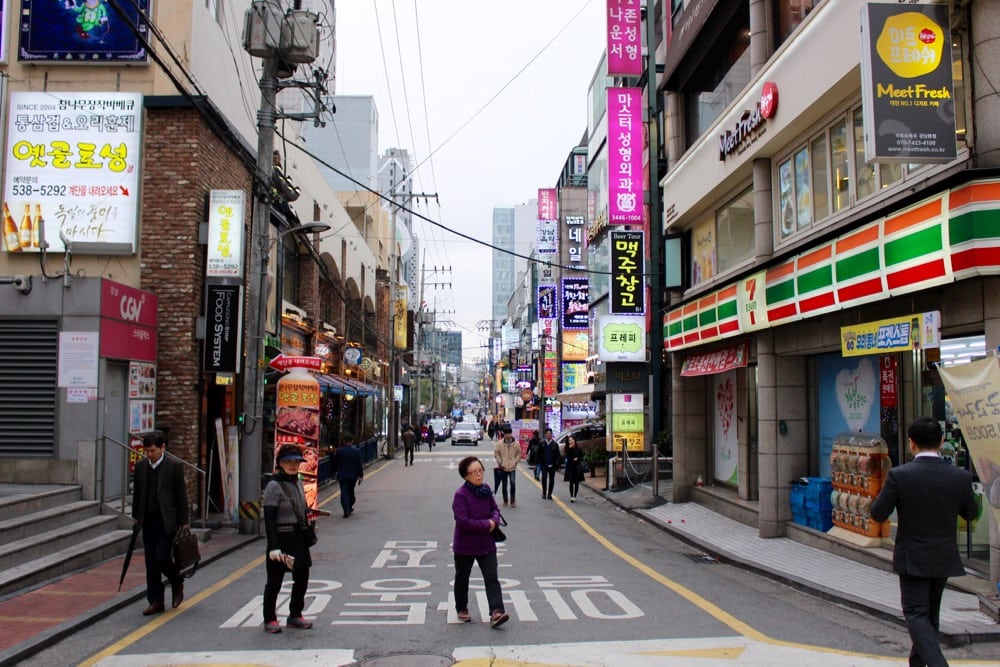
478 471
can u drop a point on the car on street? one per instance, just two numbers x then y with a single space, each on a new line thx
442 428
466 432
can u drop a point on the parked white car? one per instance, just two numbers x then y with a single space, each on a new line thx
466 432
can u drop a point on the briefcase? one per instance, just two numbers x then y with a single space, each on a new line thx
186 554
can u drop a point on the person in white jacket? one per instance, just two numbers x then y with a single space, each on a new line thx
507 452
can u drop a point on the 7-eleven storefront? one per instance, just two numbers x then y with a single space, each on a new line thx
915 288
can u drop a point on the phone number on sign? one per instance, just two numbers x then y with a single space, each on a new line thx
40 190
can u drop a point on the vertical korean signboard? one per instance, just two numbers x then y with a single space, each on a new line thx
575 303
224 309
628 291
906 83
547 240
624 38
546 302
297 425
225 234
72 170
574 243
548 204
625 156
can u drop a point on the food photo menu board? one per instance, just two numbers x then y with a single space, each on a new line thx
142 397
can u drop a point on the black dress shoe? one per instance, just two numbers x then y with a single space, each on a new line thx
155 608
178 596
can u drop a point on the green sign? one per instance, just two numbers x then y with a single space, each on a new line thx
629 422
619 337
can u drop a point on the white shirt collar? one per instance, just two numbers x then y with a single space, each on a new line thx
927 455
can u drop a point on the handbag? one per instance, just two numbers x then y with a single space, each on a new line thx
185 552
499 535
308 527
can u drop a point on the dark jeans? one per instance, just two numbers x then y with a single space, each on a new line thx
504 476
488 566
574 488
157 546
548 479
408 454
347 498
921 601
275 575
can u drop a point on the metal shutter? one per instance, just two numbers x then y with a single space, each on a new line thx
28 364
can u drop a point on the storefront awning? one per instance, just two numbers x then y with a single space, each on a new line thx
334 384
717 361
360 388
582 392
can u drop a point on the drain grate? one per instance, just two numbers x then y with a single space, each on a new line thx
704 559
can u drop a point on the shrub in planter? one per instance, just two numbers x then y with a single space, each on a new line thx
595 458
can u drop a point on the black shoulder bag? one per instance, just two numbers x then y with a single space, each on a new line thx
498 535
308 527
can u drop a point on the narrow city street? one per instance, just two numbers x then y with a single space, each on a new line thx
584 583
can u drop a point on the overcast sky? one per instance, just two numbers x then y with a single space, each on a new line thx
452 58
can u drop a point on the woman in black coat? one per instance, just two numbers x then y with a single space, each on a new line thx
574 467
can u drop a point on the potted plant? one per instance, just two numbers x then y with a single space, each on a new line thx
594 458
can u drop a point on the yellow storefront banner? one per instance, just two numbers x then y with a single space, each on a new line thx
632 442
974 392
898 334
399 317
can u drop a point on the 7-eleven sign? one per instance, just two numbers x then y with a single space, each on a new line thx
750 302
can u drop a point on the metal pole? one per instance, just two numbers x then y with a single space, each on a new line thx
253 375
654 269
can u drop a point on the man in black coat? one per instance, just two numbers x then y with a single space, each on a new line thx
550 459
350 472
159 507
928 495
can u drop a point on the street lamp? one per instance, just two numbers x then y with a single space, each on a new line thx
254 363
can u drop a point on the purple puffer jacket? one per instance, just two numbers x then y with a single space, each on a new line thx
472 523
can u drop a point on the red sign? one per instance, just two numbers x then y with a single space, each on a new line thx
297 424
128 304
283 362
769 100
136 453
719 361
128 322
887 381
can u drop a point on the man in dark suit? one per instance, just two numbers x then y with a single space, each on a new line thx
928 495
159 507
347 463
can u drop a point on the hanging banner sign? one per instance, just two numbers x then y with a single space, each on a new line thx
628 290
719 361
223 305
546 302
225 234
625 156
574 239
548 204
624 38
621 338
898 334
399 323
575 303
547 237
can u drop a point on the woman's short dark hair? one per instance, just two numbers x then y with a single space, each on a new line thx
463 465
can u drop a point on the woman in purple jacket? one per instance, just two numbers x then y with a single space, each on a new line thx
476 515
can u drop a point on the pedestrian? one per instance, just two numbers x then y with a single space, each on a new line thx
491 429
285 524
409 442
349 471
159 508
574 467
928 495
550 459
507 453
430 437
476 515
534 447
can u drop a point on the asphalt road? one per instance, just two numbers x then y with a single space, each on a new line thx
584 583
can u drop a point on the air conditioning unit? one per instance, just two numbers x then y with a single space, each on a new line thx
300 36
261 30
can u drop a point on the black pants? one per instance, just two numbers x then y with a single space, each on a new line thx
408 454
347 498
488 566
157 550
921 601
548 479
574 488
275 575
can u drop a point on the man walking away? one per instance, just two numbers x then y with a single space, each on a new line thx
534 448
928 495
507 453
550 459
159 507
409 442
347 464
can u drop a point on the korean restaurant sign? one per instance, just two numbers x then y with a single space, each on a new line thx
624 38
547 237
548 204
750 123
574 243
547 302
628 290
72 161
625 156
225 234
621 338
907 89
575 303
898 334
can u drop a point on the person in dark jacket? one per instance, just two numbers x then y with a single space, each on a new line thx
409 442
159 508
284 506
476 515
534 446
574 467
928 495
550 459
350 472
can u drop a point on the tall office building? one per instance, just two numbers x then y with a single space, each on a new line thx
349 142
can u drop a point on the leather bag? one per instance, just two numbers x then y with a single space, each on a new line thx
185 552
498 535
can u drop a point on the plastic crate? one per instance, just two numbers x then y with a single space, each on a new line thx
821 521
800 517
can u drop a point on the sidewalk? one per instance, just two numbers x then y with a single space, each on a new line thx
873 590
36 618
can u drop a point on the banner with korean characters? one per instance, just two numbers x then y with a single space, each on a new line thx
574 242
974 394
628 422
628 289
897 334
547 307
548 204
72 170
225 234
575 303
547 237
621 337
625 142
297 424
624 38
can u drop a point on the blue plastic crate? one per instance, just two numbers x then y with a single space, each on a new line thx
800 517
819 521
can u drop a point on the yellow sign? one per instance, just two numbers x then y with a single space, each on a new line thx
898 334
399 318
911 45
632 442
628 422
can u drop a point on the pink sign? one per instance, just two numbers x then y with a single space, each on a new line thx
625 156
624 46
548 204
128 322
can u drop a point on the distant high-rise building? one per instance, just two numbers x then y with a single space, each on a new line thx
349 142
513 230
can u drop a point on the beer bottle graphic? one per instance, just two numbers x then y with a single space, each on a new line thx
36 227
10 237
26 227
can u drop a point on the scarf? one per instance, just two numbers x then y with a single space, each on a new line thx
281 476
483 490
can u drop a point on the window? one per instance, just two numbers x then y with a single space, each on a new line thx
214 8
734 229
791 13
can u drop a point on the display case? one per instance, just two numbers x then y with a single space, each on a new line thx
859 464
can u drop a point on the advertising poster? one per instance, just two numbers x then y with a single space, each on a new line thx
907 89
625 140
141 380
141 415
703 249
575 303
974 394
848 400
725 449
576 345
621 338
82 31
547 302
77 360
547 237
72 171
628 290
297 425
